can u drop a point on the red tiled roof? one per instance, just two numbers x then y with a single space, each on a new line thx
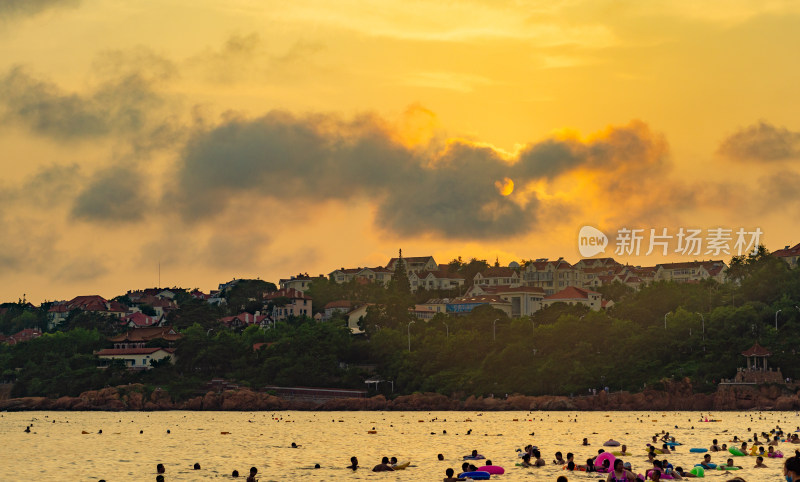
139 319
756 350
58 308
498 272
338 304
290 293
571 293
146 334
787 252
116 307
132 351
245 318
87 303
691 264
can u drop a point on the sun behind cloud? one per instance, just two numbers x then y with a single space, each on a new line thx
505 187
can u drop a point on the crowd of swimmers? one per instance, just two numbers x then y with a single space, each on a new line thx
620 472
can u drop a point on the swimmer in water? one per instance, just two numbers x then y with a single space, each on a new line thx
252 476
383 466
760 463
449 476
353 463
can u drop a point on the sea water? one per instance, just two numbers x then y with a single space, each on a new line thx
58 449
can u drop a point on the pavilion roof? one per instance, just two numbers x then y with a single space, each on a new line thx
756 350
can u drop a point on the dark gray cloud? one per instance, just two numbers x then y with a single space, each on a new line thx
123 106
778 193
115 195
761 142
447 191
10 9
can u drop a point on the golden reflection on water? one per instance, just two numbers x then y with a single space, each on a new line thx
56 448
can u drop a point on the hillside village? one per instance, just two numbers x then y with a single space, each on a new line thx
405 327
518 290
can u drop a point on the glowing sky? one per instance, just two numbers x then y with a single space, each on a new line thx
252 138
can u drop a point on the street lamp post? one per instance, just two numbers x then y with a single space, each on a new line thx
704 330
409 335
665 319
533 332
447 330
494 329
776 319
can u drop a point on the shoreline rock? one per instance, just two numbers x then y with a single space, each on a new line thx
677 395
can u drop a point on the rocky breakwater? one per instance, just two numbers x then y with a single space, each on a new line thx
670 395
758 397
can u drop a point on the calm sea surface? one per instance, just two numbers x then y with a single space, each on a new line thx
56 448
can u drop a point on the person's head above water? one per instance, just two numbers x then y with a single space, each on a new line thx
235 473
385 460
474 453
449 473
440 457
160 469
196 466
791 467
393 460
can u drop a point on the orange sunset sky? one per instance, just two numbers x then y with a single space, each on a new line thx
246 138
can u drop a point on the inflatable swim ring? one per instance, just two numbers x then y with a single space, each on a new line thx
663 475
710 466
722 467
475 475
611 443
673 444
698 471
698 450
736 452
402 465
492 469
619 454
775 455
477 457
598 462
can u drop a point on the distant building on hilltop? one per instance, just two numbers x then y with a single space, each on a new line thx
789 255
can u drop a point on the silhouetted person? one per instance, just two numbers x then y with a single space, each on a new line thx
196 466
353 463
252 476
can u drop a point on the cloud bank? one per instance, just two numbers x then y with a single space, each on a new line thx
10 9
761 142
447 190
